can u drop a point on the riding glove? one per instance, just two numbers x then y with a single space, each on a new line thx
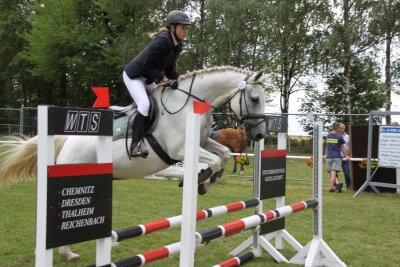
173 84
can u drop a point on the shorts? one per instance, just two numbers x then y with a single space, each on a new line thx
333 164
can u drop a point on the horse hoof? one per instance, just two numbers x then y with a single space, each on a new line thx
241 173
72 257
66 252
201 189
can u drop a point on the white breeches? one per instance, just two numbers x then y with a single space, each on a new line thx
137 91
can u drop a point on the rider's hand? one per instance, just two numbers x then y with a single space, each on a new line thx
173 84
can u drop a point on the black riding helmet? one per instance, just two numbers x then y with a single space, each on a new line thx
177 17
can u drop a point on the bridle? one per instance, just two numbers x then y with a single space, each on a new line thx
243 105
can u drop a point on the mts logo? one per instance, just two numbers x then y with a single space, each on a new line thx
82 121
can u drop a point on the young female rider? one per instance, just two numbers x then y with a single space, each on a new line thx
145 71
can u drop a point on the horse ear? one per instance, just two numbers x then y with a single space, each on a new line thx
258 75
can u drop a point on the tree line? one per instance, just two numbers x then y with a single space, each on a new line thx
54 51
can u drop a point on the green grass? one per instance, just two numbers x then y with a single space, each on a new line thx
363 231
295 169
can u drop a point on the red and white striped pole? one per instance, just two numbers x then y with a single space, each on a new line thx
251 222
175 222
237 261
220 231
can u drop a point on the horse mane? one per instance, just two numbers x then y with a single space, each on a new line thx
215 69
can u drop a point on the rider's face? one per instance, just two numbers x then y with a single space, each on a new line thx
181 31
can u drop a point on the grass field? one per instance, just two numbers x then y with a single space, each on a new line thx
363 231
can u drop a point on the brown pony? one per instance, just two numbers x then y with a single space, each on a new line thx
234 139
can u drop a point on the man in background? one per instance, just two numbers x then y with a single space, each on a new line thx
335 145
345 163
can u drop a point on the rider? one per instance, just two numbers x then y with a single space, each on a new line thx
145 71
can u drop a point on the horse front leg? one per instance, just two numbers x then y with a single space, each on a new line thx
216 156
241 169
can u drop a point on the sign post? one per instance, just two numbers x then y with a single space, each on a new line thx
73 200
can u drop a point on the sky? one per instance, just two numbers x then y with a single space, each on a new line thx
294 106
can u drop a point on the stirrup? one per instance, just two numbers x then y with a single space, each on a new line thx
138 151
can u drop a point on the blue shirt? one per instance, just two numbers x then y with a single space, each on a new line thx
334 142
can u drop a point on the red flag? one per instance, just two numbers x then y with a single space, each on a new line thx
200 107
103 97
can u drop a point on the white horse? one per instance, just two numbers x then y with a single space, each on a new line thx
241 89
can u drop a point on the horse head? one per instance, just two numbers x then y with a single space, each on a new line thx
248 105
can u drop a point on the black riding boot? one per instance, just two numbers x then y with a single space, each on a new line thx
137 149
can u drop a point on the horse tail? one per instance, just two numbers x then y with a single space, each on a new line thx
19 158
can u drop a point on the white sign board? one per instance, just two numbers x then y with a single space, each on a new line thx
177 170
389 146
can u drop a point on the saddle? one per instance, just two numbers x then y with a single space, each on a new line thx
123 118
125 115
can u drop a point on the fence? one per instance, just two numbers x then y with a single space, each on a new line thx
299 146
18 121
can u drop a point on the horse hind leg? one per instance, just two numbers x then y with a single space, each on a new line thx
66 252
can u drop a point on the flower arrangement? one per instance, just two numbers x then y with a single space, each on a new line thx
364 162
310 162
242 159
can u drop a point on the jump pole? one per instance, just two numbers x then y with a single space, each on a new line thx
44 257
218 232
190 186
176 221
317 252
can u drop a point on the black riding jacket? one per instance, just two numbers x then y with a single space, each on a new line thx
158 56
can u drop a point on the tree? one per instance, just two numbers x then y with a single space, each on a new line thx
367 93
63 46
386 24
350 38
16 82
294 31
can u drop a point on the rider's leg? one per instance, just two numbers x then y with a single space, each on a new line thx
136 148
137 90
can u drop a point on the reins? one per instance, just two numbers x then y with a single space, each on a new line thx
241 89
189 94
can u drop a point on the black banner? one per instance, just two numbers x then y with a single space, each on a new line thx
273 183
276 124
273 174
272 226
79 207
79 121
